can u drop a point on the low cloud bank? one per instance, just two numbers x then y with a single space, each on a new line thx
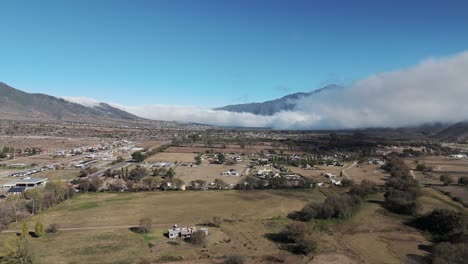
435 90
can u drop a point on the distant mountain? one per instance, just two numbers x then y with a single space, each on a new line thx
19 105
271 107
455 132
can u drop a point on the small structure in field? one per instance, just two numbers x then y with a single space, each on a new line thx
184 232
230 172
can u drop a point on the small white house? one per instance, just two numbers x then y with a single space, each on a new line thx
184 232
230 172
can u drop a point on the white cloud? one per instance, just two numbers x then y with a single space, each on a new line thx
86 101
436 90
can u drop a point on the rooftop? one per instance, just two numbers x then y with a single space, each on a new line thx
31 180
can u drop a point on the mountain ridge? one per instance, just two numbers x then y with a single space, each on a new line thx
19 105
270 107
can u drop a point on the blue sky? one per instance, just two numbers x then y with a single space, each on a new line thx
213 53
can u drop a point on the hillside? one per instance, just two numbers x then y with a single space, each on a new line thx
455 132
19 105
267 108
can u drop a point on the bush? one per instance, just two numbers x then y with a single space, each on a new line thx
446 179
144 225
364 189
347 183
198 238
305 246
38 229
443 224
402 202
295 232
447 253
339 207
463 180
52 228
235 259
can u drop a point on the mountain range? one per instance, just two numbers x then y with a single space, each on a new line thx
286 103
22 106
19 105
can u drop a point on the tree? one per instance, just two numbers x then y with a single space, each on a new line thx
446 179
38 229
198 159
170 173
145 225
295 232
84 185
24 230
450 253
138 156
19 251
221 158
220 184
137 173
443 224
95 184
198 238
463 180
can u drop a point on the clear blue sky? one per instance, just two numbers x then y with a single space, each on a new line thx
212 53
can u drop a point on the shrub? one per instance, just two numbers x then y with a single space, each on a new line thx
333 207
144 225
38 229
446 179
447 253
347 183
402 202
235 259
306 246
463 180
443 224
52 228
295 232
364 189
198 238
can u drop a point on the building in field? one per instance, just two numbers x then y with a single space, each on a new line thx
20 186
184 232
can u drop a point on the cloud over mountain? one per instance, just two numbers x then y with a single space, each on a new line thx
434 90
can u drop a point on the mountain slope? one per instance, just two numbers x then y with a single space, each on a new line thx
19 105
455 132
267 108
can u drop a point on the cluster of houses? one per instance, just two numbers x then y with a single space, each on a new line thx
20 186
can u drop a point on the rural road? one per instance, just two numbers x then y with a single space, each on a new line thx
154 226
344 173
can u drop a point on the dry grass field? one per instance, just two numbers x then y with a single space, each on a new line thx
52 175
172 157
105 218
319 173
367 172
